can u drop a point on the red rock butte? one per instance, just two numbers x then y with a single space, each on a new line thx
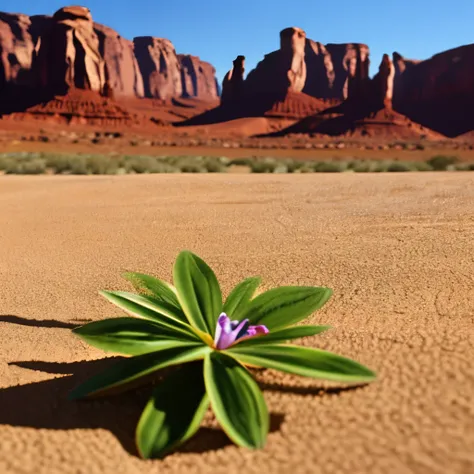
46 63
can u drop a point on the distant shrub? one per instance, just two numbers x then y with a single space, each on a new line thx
362 166
330 167
25 166
77 165
139 164
267 165
398 167
464 167
214 165
441 162
241 162
421 166
99 164
193 168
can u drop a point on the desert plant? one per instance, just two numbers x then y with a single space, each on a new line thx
398 167
24 165
101 164
330 167
218 341
464 167
421 166
214 165
441 162
139 164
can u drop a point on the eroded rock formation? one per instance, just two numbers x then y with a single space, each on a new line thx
381 88
292 47
233 83
69 53
351 67
159 66
283 70
438 92
123 77
16 49
198 78
320 74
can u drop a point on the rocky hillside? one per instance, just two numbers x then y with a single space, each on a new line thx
69 50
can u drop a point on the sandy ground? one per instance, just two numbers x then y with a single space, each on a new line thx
398 250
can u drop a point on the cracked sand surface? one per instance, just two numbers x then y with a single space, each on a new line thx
398 250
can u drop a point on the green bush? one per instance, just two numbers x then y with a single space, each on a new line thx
421 166
362 166
139 164
214 165
37 163
99 164
399 167
266 165
330 167
25 166
441 162
464 167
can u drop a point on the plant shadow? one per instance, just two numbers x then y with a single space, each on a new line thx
118 414
42 323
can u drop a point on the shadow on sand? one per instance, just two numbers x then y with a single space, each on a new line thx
118 414
42 323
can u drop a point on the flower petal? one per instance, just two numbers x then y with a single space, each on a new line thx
223 326
257 330
226 336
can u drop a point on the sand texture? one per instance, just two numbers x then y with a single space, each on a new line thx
398 250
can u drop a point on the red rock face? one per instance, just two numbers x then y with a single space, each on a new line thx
69 53
320 71
438 92
233 84
16 49
283 70
159 66
351 67
121 67
381 87
292 47
198 78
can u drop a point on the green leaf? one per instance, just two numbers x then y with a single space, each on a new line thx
285 306
151 286
237 401
304 361
129 370
237 302
148 308
282 335
173 413
198 291
131 336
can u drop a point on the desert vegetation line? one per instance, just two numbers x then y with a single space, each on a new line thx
94 164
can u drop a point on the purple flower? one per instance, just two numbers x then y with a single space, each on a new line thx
227 331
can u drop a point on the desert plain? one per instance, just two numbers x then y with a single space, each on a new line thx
397 249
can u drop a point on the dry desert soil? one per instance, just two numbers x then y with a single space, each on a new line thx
398 250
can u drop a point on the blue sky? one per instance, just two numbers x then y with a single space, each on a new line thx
219 30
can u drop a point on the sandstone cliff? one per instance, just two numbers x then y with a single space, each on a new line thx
51 55
438 92
198 78
283 70
351 68
69 53
16 49
320 71
121 68
233 83
159 66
